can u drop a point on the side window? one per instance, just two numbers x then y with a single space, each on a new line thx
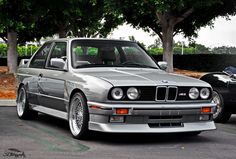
56 59
39 59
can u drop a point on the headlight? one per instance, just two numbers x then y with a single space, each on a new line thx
204 93
117 93
193 93
132 93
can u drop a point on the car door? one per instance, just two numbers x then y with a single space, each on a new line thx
52 80
36 66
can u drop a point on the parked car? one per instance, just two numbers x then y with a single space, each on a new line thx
224 93
111 86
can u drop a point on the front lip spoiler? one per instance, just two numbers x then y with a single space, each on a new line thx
144 128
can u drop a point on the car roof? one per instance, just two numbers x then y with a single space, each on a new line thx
100 39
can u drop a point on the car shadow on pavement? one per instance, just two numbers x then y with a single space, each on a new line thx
61 126
232 120
144 138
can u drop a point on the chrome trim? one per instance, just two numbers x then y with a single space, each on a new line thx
152 105
49 111
24 74
39 94
157 93
175 94
160 102
167 93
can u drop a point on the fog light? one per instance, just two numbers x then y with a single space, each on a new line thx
204 117
117 119
122 111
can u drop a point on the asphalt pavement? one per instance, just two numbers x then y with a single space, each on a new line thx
48 137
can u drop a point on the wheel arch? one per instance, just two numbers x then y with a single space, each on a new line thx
18 89
75 91
20 85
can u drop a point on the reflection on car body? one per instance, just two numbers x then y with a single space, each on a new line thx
224 93
111 86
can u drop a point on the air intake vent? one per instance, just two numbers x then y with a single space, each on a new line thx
165 125
165 93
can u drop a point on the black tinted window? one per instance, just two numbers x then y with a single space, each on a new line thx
108 53
39 59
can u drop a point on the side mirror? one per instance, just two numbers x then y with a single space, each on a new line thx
234 76
163 65
58 63
23 62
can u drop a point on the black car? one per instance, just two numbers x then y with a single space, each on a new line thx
224 93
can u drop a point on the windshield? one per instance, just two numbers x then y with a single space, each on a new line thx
108 53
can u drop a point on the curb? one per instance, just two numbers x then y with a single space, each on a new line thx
7 102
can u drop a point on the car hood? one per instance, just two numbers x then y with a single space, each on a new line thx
140 77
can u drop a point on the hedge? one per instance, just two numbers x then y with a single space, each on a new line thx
177 50
22 51
152 51
202 62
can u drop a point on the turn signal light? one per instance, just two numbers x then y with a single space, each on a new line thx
206 110
122 111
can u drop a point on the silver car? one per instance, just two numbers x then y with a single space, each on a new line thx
111 86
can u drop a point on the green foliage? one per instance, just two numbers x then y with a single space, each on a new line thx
202 49
33 19
3 50
22 50
85 51
155 51
170 17
97 19
143 14
178 50
189 50
224 50
30 50
17 15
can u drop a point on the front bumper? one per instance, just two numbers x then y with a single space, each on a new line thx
144 128
151 118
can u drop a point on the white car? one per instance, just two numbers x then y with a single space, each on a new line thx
111 86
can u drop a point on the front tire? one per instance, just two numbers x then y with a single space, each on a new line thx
78 116
221 115
22 105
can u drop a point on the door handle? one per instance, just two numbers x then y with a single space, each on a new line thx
41 75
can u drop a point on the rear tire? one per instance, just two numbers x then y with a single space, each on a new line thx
22 105
78 116
221 115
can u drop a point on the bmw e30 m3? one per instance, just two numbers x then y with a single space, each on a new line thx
111 86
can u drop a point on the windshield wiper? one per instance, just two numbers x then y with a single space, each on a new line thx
119 65
127 64
90 65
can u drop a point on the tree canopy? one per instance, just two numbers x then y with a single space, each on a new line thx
170 17
27 20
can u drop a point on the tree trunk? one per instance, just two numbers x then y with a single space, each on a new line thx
12 51
167 36
62 32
